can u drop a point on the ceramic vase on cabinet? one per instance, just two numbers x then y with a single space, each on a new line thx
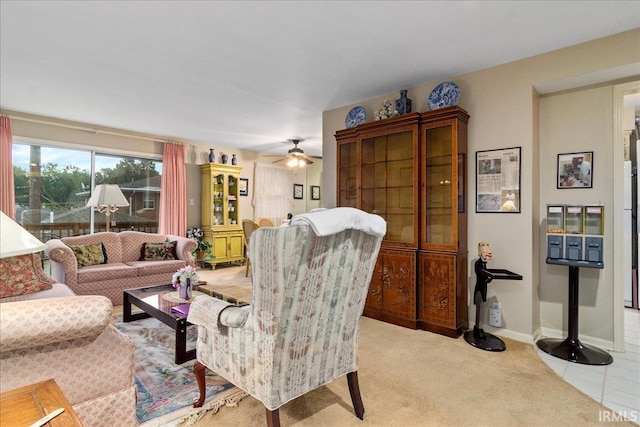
403 105
234 161
224 159
212 156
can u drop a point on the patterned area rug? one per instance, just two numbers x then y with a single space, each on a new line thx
166 391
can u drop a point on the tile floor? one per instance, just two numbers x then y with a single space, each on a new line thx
616 386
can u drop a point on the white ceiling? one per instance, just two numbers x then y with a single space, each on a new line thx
254 74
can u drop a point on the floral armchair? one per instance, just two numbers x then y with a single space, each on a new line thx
310 282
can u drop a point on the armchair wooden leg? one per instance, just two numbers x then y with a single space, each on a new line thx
354 390
273 418
198 370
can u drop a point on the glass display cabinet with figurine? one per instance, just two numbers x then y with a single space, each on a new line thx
221 212
378 173
410 170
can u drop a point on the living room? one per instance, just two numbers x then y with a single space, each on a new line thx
562 101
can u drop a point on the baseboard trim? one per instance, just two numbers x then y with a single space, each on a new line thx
507 333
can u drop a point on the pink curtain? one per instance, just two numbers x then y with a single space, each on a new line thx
172 218
7 192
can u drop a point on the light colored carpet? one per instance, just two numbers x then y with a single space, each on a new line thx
417 378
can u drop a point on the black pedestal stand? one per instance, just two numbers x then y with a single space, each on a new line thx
478 337
571 348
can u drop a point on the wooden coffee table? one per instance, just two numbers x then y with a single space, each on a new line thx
26 405
150 300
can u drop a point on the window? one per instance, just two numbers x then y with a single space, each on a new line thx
53 184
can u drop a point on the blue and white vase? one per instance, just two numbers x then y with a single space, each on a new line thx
403 105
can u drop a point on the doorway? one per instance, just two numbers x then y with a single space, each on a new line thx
626 109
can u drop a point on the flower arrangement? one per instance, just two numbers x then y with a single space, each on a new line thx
385 111
181 276
204 247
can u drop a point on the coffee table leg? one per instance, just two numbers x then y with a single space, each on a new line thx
182 355
126 308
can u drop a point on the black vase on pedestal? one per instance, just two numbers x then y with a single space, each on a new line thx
403 105
212 157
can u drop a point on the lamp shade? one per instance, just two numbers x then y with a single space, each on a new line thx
107 195
15 240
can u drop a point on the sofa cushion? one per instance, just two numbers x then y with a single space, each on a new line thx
97 273
147 268
18 276
89 254
132 242
110 240
158 251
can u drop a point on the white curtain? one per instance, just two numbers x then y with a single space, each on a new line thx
273 192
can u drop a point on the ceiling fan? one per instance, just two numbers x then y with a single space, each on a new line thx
295 156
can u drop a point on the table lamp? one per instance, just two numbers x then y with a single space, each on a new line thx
106 199
15 240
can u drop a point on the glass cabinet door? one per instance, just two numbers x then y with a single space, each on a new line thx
232 199
218 192
442 176
347 173
388 168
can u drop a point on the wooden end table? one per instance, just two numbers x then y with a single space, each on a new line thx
26 405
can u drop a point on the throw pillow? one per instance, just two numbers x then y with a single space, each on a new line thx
18 277
158 251
89 254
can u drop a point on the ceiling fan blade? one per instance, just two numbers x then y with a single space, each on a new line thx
279 160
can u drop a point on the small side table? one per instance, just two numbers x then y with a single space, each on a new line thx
26 405
478 337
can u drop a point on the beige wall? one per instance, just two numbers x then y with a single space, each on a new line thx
505 112
572 122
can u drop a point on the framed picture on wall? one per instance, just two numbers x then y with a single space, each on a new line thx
575 170
244 186
315 192
298 191
498 180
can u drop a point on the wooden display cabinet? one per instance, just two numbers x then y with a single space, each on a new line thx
443 257
411 171
221 220
377 172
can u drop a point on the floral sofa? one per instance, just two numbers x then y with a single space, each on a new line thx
107 263
48 332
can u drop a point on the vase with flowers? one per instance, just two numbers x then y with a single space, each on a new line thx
385 111
183 280
204 247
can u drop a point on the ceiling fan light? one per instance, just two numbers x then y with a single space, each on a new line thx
292 163
302 163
